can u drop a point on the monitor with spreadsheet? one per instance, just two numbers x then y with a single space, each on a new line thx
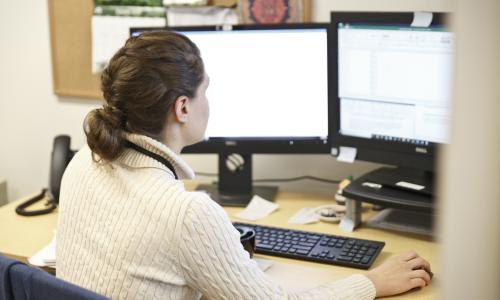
391 96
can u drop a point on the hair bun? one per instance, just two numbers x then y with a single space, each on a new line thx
114 115
104 133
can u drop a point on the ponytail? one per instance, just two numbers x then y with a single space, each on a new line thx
103 128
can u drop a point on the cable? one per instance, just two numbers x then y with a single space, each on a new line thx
50 206
298 178
279 179
206 174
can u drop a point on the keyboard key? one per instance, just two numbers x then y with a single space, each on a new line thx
301 247
306 244
265 246
344 258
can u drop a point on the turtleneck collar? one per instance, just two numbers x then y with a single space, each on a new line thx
133 158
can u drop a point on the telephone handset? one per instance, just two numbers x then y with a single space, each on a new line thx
60 158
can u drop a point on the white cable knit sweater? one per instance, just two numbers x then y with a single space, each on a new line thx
129 230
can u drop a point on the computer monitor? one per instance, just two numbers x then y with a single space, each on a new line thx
390 97
268 93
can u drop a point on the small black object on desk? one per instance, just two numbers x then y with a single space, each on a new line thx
247 238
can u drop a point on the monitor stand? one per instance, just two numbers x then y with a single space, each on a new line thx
235 182
407 192
394 187
403 220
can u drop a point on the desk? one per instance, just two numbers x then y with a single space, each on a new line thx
21 237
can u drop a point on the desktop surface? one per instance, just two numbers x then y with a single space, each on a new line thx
21 237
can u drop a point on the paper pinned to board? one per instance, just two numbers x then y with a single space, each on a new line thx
185 2
109 34
206 15
257 209
347 154
421 19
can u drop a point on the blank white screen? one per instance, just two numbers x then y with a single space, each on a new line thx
266 83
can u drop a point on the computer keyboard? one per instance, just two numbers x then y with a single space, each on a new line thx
318 247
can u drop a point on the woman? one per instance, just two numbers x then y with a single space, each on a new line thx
127 227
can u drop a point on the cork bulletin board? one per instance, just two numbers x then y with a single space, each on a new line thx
70 38
71 45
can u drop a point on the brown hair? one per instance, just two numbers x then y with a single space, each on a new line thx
140 84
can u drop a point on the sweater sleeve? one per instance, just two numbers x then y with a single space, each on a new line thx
214 262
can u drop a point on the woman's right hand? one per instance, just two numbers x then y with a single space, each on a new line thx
400 274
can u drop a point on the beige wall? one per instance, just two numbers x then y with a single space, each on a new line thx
30 115
470 200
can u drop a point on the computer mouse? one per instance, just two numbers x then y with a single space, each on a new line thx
428 272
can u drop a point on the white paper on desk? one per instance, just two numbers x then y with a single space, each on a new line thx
46 256
296 278
264 264
205 15
257 209
305 215
347 154
109 34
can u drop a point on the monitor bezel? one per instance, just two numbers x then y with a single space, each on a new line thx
257 145
401 154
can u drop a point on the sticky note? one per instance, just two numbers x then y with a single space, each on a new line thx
421 19
347 154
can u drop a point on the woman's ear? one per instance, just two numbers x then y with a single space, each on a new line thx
181 109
